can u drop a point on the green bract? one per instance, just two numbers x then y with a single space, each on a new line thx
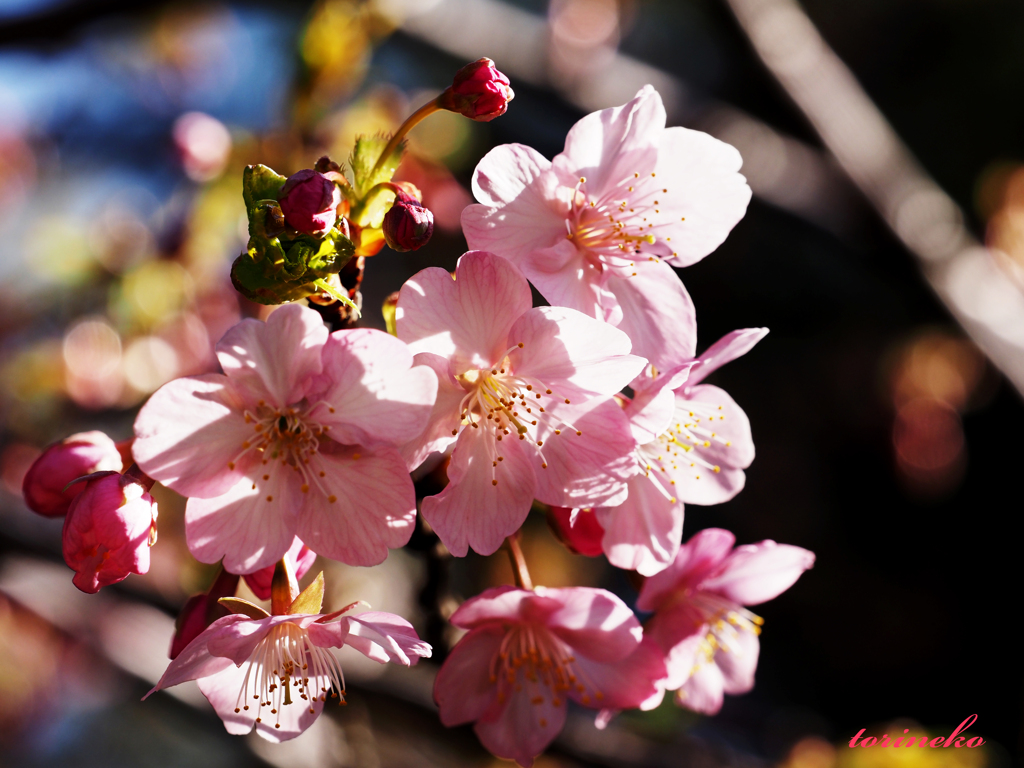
281 264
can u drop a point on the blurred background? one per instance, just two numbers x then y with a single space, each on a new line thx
884 248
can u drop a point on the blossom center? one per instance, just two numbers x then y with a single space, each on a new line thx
529 655
613 228
690 435
285 440
286 667
504 404
724 622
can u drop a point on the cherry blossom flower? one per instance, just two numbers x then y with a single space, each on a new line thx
296 438
694 443
529 651
108 531
596 228
707 635
524 395
275 672
46 488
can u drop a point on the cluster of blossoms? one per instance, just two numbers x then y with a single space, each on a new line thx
304 445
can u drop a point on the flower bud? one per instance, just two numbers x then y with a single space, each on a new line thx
108 531
581 535
300 558
200 611
479 91
74 457
310 202
408 225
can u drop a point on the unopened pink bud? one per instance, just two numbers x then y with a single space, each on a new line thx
200 611
310 201
582 535
479 91
108 531
62 462
408 225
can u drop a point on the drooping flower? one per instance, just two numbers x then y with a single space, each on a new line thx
694 443
200 611
108 531
45 487
297 439
524 395
309 201
275 672
478 91
701 625
529 651
596 228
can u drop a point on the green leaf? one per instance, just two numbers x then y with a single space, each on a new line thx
323 285
364 158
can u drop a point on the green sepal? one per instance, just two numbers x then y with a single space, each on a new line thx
259 183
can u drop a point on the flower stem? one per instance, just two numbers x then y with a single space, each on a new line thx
519 569
427 109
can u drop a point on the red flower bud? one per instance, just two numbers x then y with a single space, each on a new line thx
108 531
310 201
408 225
62 462
583 536
479 91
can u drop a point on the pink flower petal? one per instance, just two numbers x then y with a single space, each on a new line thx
222 690
726 349
657 314
703 690
755 573
650 412
643 533
274 360
706 195
609 146
445 417
696 559
373 393
509 605
739 663
473 511
359 503
589 469
463 689
385 637
566 278
524 726
242 526
190 433
572 353
195 660
593 622
728 422
631 683
467 319
518 213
